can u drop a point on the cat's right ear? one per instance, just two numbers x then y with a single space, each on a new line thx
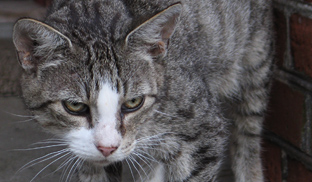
152 37
35 41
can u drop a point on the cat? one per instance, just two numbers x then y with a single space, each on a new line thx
165 83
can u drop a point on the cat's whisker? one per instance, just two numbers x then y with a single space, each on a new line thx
47 166
81 164
59 167
64 163
41 117
51 173
138 171
151 148
68 164
149 143
21 116
156 143
130 170
151 139
157 136
28 118
51 140
69 176
151 158
25 121
140 166
42 159
81 161
142 158
148 156
43 147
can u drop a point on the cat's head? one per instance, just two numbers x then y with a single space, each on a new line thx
97 97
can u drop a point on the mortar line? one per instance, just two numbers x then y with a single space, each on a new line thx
306 131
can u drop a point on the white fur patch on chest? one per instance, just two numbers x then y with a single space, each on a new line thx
159 175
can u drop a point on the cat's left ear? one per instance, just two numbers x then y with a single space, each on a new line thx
153 36
35 41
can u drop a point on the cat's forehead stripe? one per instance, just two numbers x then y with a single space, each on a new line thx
107 101
105 133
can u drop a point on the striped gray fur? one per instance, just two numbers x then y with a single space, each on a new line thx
202 66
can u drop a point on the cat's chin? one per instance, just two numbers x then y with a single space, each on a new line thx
101 163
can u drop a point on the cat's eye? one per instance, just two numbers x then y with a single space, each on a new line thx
75 108
132 105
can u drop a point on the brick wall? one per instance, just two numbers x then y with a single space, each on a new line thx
288 140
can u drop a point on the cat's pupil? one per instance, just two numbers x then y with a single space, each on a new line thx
135 102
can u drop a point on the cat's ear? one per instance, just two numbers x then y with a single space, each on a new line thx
153 35
34 41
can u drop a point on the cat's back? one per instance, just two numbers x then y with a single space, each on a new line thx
217 29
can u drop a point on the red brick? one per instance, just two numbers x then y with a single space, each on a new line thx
271 157
301 43
280 37
297 172
285 113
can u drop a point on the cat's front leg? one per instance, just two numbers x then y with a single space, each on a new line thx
245 149
91 173
249 112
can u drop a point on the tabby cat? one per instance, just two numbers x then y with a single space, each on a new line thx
165 84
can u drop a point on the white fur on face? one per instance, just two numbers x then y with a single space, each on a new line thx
84 141
105 132
81 143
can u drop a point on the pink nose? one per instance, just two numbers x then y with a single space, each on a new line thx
106 151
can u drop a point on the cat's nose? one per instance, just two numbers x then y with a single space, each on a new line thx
106 151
